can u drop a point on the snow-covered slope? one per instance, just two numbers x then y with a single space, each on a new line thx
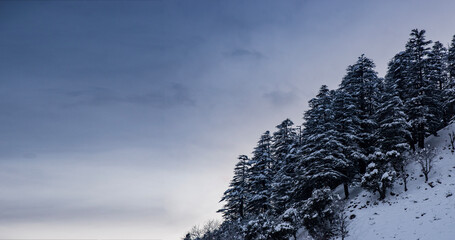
423 212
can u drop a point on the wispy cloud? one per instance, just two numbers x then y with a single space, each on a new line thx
166 97
281 98
245 53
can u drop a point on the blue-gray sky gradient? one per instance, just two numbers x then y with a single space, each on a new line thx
124 119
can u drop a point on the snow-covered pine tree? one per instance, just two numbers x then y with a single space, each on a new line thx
319 214
360 83
396 72
437 65
451 58
259 228
438 75
330 143
315 168
450 89
379 175
287 225
420 98
260 176
285 152
236 195
393 133
345 134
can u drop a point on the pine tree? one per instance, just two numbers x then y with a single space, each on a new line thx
379 175
450 89
437 65
451 59
393 133
260 176
397 71
419 100
360 83
438 76
319 214
345 133
285 151
236 195
393 129
330 142
315 167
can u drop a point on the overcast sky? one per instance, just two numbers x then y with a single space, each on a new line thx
125 119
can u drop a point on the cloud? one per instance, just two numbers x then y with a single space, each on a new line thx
245 53
166 97
176 95
280 98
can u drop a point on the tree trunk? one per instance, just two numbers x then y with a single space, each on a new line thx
382 193
404 177
346 190
412 145
421 141
405 184
421 136
426 177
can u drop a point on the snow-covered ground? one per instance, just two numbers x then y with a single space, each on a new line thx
423 212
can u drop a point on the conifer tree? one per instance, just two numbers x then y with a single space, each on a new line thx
360 83
451 59
379 175
330 142
315 166
450 89
396 73
393 135
236 195
438 76
346 136
393 129
419 100
260 176
285 151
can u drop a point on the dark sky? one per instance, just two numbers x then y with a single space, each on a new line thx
124 119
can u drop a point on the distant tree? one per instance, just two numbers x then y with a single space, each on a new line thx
209 230
187 237
425 159
195 233
341 224
452 141
229 230
403 172
236 195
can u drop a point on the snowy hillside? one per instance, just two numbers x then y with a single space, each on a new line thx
423 212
